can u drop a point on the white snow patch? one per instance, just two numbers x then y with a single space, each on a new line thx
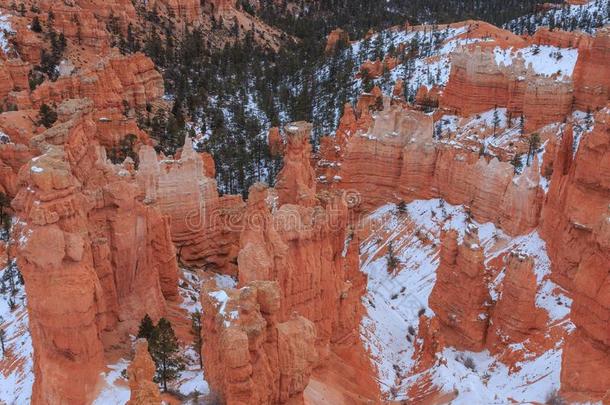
5 28
544 60
112 392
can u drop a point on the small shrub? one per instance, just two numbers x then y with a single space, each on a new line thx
553 398
469 363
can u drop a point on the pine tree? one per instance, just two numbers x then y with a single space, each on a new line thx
5 202
391 258
496 120
47 116
516 162
196 329
36 27
534 144
164 350
146 329
2 337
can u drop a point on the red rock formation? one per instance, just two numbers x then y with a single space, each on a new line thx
372 69
376 158
398 159
560 39
307 247
80 26
13 77
460 297
132 79
141 371
476 84
186 10
592 73
295 183
219 7
250 357
515 317
427 98
94 258
204 226
335 39
399 89
575 226
428 343
275 142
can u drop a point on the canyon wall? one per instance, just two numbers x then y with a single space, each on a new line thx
204 226
111 259
591 79
399 159
575 225
477 83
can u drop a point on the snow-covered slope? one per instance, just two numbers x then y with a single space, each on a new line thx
394 301
16 364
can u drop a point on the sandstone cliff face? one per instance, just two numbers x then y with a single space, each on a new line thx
460 297
141 371
204 226
477 83
132 79
398 159
186 10
110 261
13 77
372 163
295 183
575 220
591 74
250 356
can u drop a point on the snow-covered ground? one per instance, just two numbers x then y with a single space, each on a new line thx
394 301
115 390
569 17
5 29
543 60
16 364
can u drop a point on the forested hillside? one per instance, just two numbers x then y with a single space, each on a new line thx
229 97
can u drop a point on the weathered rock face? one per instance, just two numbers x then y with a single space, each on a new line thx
307 232
515 317
398 159
373 162
13 77
218 7
275 142
132 79
56 263
141 371
476 84
575 226
251 357
93 257
186 10
460 298
204 226
295 183
592 74
80 25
